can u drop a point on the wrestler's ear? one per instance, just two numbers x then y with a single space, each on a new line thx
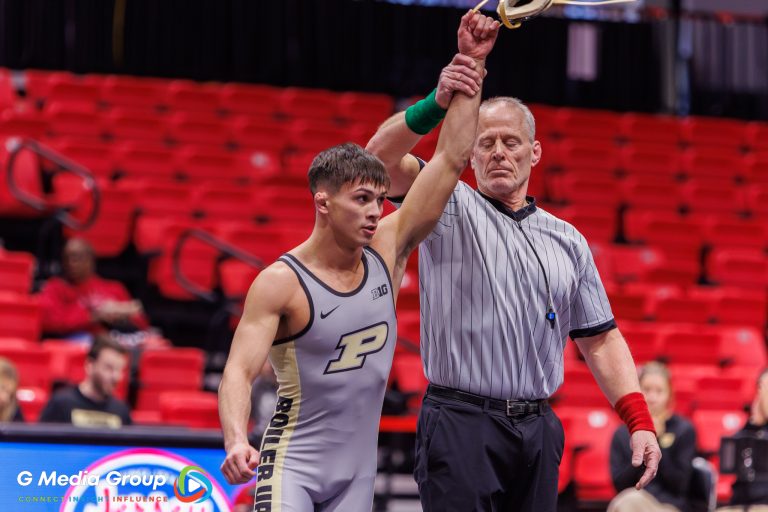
321 201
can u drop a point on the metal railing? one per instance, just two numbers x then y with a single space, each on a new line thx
15 145
225 249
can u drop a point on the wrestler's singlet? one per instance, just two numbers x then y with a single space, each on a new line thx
319 451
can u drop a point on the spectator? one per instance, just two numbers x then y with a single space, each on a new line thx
80 304
752 496
91 403
677 438
9 382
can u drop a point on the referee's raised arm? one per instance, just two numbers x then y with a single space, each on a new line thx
430 191
397 136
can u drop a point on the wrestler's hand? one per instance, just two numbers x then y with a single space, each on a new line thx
645 450
458 76
477 35
238 467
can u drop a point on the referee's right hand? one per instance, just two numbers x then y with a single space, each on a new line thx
239 465
645 450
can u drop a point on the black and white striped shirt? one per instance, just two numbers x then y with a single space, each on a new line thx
484 299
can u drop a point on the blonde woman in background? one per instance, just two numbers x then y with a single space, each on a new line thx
9 382
677 439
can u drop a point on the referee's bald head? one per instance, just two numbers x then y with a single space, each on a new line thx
530 121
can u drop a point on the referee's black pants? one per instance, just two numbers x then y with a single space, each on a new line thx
471 458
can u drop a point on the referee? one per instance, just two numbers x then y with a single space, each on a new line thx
503 284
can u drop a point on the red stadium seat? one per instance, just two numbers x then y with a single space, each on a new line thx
681 345
22 124
580 389
314 138
97 157
16 271
196 263
660 194
724 393
19 317
579 186
735 306
226 202
580 153
188 95
73 120
212 164
712 425
71 89
408 374
131 92
738 267
364 107
682 309
757 200
590 433
651 128
651 160
743 347
714 132
596 223
298 103
162 198
193 409
713 164
593 124
265 241
629 306
756 168
32 400
236 278
32 363
257 133
136 160
700 196
189 128
757 136
735 232
111 232
643 340
127 124
67 360
174 369
251 100
668 232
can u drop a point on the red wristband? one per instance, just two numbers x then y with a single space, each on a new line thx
633 411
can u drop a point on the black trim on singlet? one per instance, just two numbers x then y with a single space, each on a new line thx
386 269
518 215
331 290
305 330
400 199
593 331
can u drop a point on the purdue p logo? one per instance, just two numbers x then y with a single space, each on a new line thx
355 346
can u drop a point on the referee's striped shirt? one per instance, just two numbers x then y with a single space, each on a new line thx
484 300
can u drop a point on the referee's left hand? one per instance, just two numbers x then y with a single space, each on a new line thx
645 450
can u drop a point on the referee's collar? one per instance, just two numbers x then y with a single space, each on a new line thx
518 215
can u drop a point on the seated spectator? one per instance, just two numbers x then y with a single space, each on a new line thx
91 404
752 496
80 303
9 382
677 439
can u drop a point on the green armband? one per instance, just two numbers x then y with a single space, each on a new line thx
424 115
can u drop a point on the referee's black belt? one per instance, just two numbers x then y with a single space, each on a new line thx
513 408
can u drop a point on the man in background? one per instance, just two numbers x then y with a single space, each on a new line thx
91 403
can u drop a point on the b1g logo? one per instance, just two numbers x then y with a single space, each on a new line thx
379 292
187 487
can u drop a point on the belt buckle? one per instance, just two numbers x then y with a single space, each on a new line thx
515 409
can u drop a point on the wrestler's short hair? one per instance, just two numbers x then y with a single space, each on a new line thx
346 163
